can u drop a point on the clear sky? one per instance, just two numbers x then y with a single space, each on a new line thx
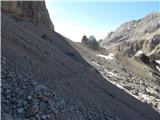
75 19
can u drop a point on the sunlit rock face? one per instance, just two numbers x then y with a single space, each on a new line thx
32 10
135 35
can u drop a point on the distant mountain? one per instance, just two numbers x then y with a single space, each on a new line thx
135 35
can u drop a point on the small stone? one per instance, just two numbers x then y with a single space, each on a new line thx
24 87
32 110
20 110
45 117
128 87
34 83
158 105
6 116
43 98
41 88
29 97
24 102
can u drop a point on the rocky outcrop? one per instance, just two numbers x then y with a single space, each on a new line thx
149 46
84 40
91 42
132 36
32 10
134 29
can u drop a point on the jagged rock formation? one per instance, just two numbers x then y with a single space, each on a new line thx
45 78
32 10
134 36
84 39
91 42
135 29
138 34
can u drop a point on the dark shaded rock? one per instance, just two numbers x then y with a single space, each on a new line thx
32 110
90 42
6 116
92 39
72 55
84 39
145 59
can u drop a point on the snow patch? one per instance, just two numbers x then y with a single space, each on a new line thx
139 53
158 68
133 95
96 63
158 61
110 73
115 83
110 56
144 96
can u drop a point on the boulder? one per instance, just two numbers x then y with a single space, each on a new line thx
90 42
84 39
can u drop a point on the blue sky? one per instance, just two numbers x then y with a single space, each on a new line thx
74 19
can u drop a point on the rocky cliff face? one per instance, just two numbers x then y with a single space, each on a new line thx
45 78
136 35
32 10
135 29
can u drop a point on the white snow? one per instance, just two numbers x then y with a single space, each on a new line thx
110 56
158 61
96 63
133 95
134 25
138 53
110 73
158 68
115 83
144 96
129 28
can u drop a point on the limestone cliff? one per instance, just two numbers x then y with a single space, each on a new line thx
33 10
135 35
